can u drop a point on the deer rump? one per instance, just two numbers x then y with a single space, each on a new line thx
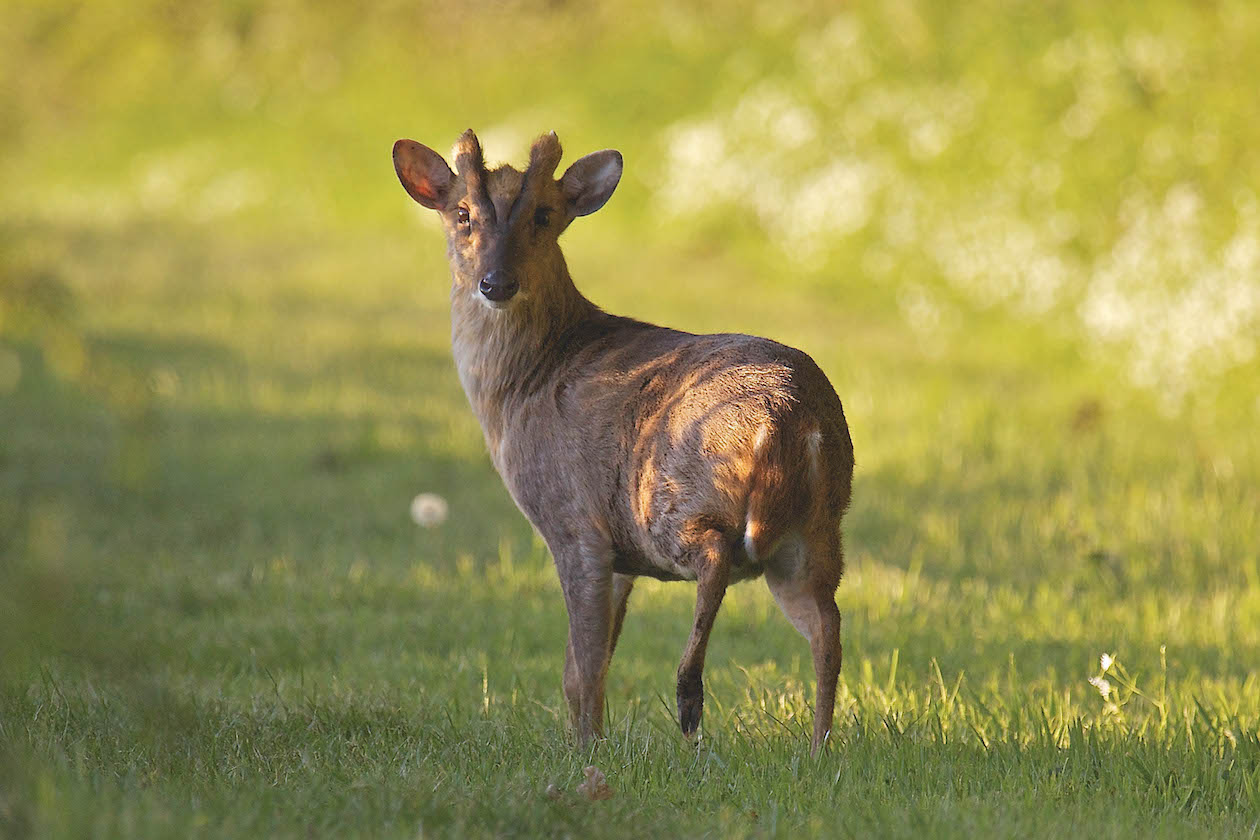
656 439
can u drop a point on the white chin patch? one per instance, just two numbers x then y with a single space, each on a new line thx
496 305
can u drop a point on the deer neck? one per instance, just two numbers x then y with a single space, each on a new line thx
502 356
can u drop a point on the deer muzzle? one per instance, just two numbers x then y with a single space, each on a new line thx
498 286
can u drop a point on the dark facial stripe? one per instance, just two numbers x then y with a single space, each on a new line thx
472 166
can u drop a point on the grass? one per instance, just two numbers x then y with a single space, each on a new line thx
224 374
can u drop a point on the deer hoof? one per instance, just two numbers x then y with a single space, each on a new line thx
690 703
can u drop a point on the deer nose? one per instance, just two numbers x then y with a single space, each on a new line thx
498 286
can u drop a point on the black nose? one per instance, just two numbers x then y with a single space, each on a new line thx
498 286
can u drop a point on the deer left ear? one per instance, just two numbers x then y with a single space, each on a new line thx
589 182
423 173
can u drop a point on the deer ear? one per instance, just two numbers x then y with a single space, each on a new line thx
589 182
423 173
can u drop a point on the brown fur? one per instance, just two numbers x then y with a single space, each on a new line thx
636 449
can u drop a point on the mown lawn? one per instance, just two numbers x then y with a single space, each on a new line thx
1023 243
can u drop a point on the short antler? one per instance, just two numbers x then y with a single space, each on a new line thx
472 168
544 157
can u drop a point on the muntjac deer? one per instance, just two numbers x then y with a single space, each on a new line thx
634 449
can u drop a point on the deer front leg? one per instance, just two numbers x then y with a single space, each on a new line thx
586 580
622 585
712 576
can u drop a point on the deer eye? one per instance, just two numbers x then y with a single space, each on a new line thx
542 216
461 217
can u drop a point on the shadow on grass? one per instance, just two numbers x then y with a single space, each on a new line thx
129 503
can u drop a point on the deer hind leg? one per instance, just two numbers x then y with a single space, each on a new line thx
712 575
621 587
802 575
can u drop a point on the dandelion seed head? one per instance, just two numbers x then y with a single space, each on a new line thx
428 510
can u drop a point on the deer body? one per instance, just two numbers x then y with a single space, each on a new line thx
635 449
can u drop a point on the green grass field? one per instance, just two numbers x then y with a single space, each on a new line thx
1022 240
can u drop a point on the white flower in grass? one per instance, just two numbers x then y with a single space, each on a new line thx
428 510
1106 661
1103 686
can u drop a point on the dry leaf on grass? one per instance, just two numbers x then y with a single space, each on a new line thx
596 785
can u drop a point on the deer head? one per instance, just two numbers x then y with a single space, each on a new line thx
501 224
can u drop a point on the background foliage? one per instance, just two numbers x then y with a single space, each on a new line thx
1022 239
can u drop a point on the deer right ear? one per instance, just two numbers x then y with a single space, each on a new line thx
423 173
589 182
